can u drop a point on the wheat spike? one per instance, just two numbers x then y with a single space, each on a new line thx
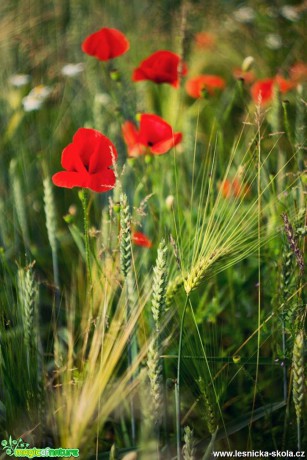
28 293
155 377
298 374
188 450
50 213
18 195
159 285
125 235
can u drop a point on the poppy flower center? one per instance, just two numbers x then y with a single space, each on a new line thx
150 143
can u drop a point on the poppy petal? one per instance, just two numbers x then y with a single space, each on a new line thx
140 239
72 161
162 147
70 179
160 67
102 181
153 129
210 83
94 149
106 44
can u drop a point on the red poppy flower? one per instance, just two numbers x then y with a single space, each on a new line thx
87 162
233 188
160 67
204 40
298 72
140 239
262 90
155 135
106 44
209 83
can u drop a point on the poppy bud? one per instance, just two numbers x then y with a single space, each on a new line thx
115 75
247 63
148 159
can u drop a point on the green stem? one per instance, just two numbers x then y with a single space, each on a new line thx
177 386
132 355
84 200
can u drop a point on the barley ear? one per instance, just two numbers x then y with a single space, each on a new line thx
209 409
125 235
172 289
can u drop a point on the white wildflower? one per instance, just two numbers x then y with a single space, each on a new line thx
35 98
290 13
72 70
273 41
19 80
244 14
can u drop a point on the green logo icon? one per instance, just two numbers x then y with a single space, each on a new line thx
12 444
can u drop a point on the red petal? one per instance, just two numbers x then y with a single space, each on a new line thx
262 91
153 129
71 160
167 144
106 44
283 84
70 179
102 182
196 85
130 133
160 67
94 150
140 239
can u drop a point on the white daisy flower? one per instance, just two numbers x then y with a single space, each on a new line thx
35 98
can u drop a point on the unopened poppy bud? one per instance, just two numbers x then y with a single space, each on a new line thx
116 207
169 201
115 75
236 359
72 210
148 159
248 63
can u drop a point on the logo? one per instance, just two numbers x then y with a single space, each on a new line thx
19 448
